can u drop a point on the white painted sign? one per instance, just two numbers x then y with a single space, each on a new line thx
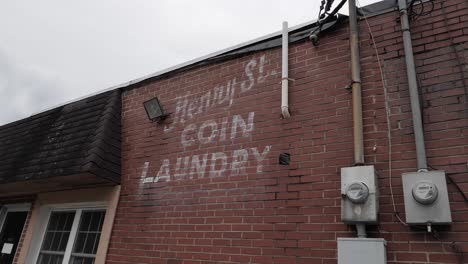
224 129
190 106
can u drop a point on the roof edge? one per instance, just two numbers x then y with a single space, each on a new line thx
178 66
375 9
210 55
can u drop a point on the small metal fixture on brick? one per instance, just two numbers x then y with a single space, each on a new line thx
154 110
284 158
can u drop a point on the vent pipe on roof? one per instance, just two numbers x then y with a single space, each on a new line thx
285 77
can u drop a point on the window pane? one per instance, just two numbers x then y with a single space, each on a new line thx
49 259
56 237
87 237
81 260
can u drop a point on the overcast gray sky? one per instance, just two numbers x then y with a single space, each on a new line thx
54 51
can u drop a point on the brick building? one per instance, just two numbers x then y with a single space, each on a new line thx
59 181
205 185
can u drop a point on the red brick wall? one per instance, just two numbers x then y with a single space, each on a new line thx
206 186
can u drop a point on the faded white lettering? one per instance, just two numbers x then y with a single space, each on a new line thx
240 159
260 157
189 106
219 130
217 165
209 131
212 132
186 140
224 125
164 172
238 121
261 78
182 167
198 166
218 171
250 77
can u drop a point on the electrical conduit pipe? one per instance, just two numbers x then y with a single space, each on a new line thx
357 98
284 76
356 85
413 88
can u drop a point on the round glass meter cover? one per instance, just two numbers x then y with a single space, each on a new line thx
425 192
357 192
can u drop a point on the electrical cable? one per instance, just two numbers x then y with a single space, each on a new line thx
453 181
335 11
389 128
328 6
456 185
465 84
322 6
461 65
322 19
455 248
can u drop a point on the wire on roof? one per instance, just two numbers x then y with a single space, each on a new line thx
325 16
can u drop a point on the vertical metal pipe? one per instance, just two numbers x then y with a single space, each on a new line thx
413 87
285 75
356 85
361 230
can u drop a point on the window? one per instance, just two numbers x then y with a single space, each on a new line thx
71 237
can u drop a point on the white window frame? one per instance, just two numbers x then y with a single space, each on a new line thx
44 217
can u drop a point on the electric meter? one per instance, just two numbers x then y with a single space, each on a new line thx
357 192
425 192
426 198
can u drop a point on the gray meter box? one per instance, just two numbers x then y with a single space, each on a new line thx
362 251
359 203
426 198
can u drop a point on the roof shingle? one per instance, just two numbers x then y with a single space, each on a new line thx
80 137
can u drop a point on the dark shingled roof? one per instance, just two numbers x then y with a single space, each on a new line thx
78 138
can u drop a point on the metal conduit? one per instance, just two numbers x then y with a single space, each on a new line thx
413 88
357 98
356 85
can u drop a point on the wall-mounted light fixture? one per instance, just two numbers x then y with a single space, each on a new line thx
154 110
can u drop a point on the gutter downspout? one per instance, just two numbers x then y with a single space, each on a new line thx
357 98
285 77
356 85
413 88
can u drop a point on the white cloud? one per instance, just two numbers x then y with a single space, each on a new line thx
26 89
